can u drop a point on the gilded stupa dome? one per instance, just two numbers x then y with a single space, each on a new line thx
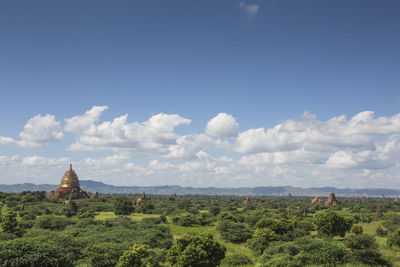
70 179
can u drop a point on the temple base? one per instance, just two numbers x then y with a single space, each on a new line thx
63 192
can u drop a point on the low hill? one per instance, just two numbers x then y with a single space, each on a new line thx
93 186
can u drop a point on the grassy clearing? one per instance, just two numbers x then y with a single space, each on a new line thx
134 216
178 231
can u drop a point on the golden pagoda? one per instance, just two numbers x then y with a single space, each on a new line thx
69 185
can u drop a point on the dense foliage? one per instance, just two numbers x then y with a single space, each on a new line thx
197 250
196 231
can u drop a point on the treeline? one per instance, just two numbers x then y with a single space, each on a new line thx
35 231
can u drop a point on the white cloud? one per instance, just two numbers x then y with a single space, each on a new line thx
155 136
250 9
299 152
38 131
314 135
83 122
222 125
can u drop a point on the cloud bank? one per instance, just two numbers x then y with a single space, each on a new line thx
361 151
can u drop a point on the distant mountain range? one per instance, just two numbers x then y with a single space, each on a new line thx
93 186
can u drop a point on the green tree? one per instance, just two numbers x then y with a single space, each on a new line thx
356 229
123 206
380 231
279 226
33 253
214 210
233 232
364 249
237 260
133 257
331 224
103 254
394 239
261 239
9 222
196 250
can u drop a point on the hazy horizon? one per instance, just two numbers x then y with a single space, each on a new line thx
202 94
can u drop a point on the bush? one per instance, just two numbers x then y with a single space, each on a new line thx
9 223
214 210
279 261
331 224
7 236
233 232
134 256
123 206
103 254
28 252
393 239
236 260
196 250
356 229
314 251
53 222
163 218
380 231
303 251
364 249
184 220
392 221
279 226
261 239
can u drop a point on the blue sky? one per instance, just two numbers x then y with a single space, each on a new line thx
261 64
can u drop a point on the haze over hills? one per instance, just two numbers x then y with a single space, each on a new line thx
93 186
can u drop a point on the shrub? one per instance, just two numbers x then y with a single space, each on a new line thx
393 239
103 254
134 256
234 232
236 260
331 224
7 236
392 221
356 229
303 251
28 252
214 210
279 261
123 206
184 220
380 231
282 227
196 250
314 251
364 249
261 239
163 218
53 222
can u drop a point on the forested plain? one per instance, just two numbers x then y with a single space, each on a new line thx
197 231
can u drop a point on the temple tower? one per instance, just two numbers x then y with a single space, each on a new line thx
69 185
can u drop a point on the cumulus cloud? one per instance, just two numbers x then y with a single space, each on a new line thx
222 125
155 136
314 135
250 9
83 122
38 131
302 152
